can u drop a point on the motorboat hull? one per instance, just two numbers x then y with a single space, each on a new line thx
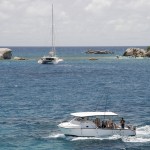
95 124
98 132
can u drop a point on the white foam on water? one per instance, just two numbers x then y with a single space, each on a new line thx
143 131
71 138
56 136
114 137
135 140
84 138
57 61
142 135
60 60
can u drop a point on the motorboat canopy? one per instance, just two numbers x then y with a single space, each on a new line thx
89 114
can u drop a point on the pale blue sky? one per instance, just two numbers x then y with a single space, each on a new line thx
77 22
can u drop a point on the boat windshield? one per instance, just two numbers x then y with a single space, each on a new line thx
81 118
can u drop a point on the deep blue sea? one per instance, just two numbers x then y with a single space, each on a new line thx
35 98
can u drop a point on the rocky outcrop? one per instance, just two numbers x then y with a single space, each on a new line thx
148 54
135 52
98 52
93 58
5 53
19 58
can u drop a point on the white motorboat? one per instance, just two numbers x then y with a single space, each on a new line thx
95 124
51 58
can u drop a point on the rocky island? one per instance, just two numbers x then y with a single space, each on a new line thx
98 52
137 52
5 53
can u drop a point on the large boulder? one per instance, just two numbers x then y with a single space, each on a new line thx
148 54
136 52
5 53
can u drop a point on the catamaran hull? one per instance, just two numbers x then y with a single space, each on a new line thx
96 132
45 62
55 61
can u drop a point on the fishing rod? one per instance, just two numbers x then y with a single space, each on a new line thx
105 105
98 103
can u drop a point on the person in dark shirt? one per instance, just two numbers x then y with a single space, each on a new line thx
103 124
122 123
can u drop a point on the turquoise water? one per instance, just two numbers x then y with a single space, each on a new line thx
35 98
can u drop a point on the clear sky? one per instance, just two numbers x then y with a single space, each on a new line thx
77 22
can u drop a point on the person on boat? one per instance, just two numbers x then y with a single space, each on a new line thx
122 123
112 125
97 122
115 126
109 123
103 124
106 124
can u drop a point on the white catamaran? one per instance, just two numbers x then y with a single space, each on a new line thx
51 58
95 124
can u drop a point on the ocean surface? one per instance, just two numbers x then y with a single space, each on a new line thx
35 98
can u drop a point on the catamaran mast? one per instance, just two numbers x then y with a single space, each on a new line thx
53 46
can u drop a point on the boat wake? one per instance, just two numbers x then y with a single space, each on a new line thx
57 61
56 136
143 135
